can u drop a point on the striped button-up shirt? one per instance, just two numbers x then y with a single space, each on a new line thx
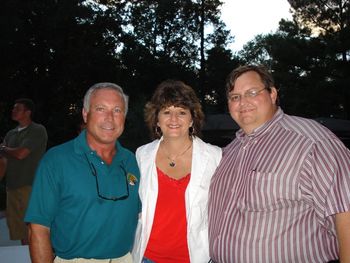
275 193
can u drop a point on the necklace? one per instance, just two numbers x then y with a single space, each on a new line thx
172 160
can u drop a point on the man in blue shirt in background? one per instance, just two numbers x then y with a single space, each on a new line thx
84 205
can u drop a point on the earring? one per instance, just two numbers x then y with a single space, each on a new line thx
190 131
158 131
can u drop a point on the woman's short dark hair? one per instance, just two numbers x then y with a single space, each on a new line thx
173 93
262 71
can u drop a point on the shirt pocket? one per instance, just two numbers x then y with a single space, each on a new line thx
267 191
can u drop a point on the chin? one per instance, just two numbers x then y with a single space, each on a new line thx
176 135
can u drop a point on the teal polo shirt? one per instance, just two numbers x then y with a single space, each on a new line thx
65 199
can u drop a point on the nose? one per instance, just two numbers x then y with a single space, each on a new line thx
242 100
109 115
173 116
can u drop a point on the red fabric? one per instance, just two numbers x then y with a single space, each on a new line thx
168 239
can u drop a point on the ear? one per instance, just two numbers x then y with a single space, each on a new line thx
28 113
273 95
84 113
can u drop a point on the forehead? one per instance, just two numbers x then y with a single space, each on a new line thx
19 106
174 107
248 80
106 96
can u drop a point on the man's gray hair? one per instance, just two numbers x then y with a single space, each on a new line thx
104 85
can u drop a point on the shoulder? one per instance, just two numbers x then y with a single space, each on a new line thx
36 128
206 151
126 154
10 132
147 148
62 151
207 147
307 128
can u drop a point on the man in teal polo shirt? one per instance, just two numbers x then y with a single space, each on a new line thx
84 204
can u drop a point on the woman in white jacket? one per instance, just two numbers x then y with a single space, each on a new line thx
176 169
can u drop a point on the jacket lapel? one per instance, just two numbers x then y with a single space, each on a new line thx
199 164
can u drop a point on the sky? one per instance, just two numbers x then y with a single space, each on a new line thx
248 18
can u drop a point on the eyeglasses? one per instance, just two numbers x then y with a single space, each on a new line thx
248 94
110 198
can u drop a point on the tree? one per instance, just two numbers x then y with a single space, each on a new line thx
219 63
53 51
172 30
329 20
326 17
301 65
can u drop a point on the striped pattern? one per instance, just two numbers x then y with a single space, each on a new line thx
274 193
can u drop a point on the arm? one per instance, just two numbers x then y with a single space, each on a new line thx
3 163
40 244
19 153
342 223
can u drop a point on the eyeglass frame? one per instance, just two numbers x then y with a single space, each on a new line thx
251 93
94 173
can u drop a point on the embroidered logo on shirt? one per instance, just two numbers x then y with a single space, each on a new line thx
132 180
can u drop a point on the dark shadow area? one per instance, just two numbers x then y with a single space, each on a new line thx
220 129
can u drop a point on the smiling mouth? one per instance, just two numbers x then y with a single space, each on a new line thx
246 110
108 128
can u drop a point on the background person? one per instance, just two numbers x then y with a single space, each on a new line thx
3 162
21 152
282 190
85 203
176 169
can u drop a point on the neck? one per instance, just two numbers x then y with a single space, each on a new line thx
175 150
105 151
24 123
173 146
106 154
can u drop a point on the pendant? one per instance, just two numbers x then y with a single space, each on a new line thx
172 164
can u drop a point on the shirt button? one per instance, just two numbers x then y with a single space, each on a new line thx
102 163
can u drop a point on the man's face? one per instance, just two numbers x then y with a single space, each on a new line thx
105 119
251 112
19 112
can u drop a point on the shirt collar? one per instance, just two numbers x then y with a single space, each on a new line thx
81 146
18 128
241 135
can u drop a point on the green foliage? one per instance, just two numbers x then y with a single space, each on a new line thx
311 70
54 50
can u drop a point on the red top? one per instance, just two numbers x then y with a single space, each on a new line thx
168 239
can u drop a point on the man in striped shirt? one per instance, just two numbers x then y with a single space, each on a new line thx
282 190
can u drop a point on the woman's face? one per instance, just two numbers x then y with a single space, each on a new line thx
174 122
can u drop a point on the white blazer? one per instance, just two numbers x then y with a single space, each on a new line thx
205 159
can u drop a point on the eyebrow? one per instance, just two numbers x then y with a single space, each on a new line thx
232 92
